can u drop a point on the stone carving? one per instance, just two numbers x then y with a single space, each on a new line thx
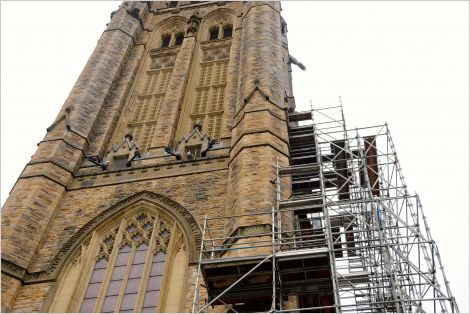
134 13
216 53
296 62
106 246
122 155
138 230
167 61
192 146
65 117
193 24
255 89
162 238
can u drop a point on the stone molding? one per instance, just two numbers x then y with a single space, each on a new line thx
58 262
13 270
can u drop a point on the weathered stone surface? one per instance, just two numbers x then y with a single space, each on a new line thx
59 191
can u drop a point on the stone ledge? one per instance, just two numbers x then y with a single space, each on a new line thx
179 168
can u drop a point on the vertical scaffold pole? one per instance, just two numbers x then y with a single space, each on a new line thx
453 303
275 234
384 245
278 200
329 233
196 287
273 241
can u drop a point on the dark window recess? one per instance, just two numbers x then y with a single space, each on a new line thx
179 39
228 31
213 33
165 41
193 152
283 27
172 4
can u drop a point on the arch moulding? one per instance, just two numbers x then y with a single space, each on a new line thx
184 218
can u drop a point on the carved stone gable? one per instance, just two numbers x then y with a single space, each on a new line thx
194 145
121 156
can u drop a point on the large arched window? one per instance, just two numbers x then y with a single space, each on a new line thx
126 266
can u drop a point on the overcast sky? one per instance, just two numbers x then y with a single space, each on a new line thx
405 63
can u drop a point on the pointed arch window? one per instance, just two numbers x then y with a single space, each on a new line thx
179 37
166 40
126 268
214 33
128 271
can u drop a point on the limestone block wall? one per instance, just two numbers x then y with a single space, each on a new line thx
59 191
37 194
259 135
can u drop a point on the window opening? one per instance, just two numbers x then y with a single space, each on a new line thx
117 278
193 152
173 4
154 284
94 286
136 271
228 31
179 39
214 33
166 40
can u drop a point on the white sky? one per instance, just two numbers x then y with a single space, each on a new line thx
405 63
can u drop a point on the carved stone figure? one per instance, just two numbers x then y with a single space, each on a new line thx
193 23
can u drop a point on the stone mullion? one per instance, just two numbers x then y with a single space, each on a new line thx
125 279
168 119
209 88
109 268
170 254
205 127
221 32
233 68
147 267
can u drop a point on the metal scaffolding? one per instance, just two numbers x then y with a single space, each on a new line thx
344 235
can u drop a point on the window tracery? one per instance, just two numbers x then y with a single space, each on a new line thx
127 264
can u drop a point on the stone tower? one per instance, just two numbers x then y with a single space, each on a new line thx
179 113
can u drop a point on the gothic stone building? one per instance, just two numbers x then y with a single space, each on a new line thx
180 112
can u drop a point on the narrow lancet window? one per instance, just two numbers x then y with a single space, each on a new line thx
179 39
166 40
228 29
214 33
